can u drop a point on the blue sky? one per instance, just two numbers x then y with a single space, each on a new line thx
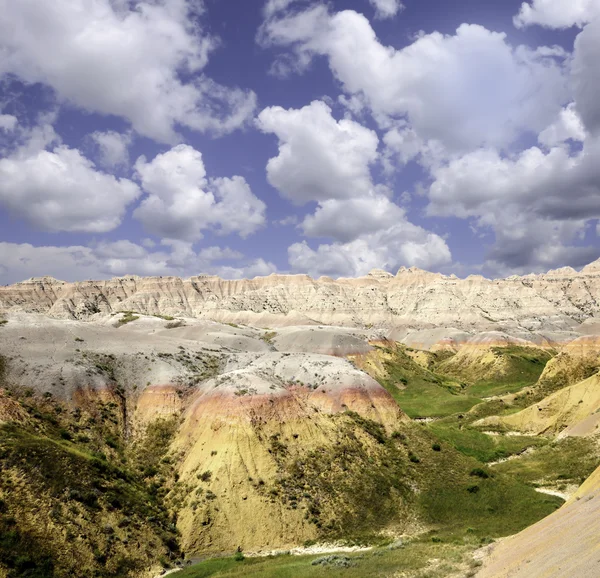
180 137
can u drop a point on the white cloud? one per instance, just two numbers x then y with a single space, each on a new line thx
568 126
113 148
585 72
287 221
465 90
237 210
61 190
401 244
271 7
328 161
386 8
536 202
8 122
319 158
183 202
402 144
346 220
586 76
108 259
122 59
256 268
219 253
553 184
557 13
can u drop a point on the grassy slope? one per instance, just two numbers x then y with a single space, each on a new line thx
419 391
412 557
570 460
463 503
366 477
72 502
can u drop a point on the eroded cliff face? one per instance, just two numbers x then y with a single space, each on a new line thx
556 301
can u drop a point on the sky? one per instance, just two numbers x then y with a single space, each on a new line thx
244 138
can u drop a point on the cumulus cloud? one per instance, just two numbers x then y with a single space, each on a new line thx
60 189
568 126
346 220
328 161
401 244
386 8
319 158
123 59
557 13
182 202
537 202
466 90
584 69
402 145
108 259
586 75
113 148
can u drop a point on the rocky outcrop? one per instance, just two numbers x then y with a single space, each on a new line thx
556 301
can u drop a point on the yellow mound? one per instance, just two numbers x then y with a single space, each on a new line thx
494 356
576 361
570 411
565 544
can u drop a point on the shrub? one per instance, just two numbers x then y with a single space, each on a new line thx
205 476
480 473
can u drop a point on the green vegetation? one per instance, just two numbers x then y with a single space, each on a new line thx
421 392
364 480
570 460
128 317
69 468
268 337
116 500
3 322
481 446
413 557
525 365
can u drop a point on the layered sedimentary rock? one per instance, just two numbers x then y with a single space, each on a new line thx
556 301
563 544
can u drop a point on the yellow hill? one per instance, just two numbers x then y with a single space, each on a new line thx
563 544
569 411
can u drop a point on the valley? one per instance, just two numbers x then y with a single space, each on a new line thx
381 426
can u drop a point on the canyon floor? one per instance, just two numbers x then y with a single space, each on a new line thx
140 441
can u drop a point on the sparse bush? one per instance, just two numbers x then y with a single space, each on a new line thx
480 473
239 555
205 476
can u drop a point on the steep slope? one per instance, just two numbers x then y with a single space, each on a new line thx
576 361
493 363
554 303
70 504
247 448
563 544
573 410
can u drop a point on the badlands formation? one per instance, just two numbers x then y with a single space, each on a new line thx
144 421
